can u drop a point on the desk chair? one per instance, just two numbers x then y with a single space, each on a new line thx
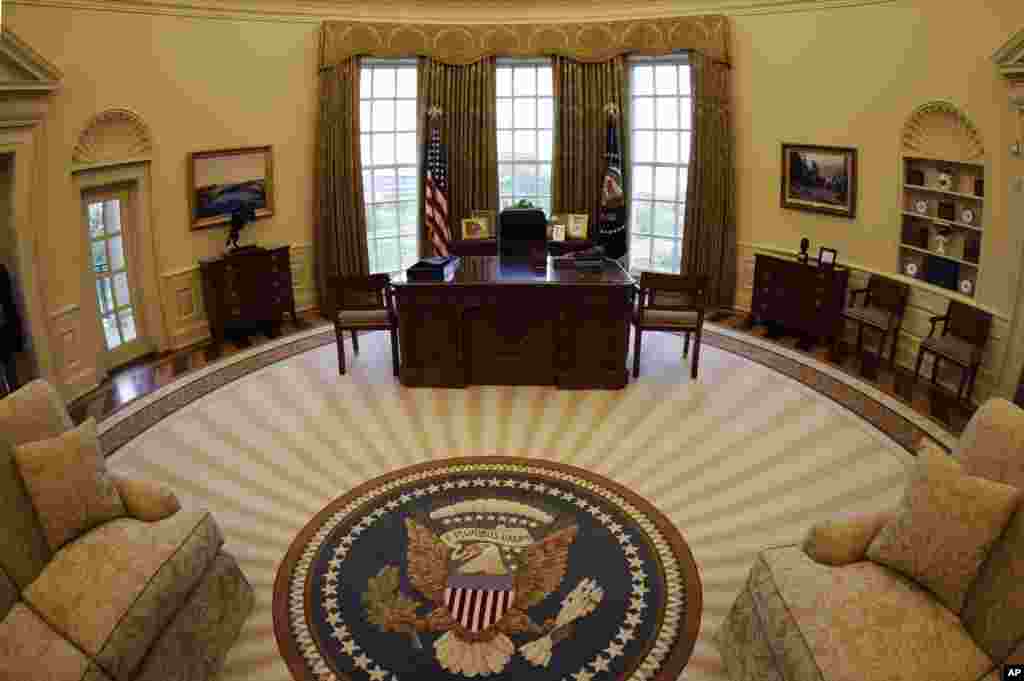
671 302
882 309
363 304
965 332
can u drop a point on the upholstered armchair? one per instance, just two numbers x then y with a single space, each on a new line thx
903 593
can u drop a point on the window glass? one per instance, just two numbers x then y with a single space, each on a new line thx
525 110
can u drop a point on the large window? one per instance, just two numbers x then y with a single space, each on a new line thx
660 154
525 123
388 121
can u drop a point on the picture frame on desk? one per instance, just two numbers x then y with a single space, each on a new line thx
475 228
222 179
576 225
827 258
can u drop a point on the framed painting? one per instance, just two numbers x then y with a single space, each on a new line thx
474 228
223 180
820 179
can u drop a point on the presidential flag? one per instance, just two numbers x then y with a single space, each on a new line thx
436 194
611 226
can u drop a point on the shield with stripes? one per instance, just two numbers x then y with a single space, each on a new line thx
478 601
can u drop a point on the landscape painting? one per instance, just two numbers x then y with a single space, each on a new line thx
224 180
820 179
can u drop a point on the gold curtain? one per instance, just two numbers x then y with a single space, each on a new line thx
340 241
582 91
709 234
468 124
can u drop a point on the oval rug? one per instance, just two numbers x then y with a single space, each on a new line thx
496 567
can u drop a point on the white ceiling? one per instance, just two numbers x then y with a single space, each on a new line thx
465 11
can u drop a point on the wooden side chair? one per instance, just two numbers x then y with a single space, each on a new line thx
363 304
671 302
965 332
884 302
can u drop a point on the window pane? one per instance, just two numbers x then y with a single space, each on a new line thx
526 113
364 149
505 181
686 114
504 113
371 251
365 112
386 220
505 145
409 252
640 252
545 113
121 296
643 182
117 253
370 221
545 204
544 81
643 112
383 149
112 216
643 80
664 255
544 178
407 218
641 216
407 184
524 82
665 79
99 257
680 218
387 255
105 295
643 147
525 180
127 319
665 184
668 112
406 142
95 220
526 145
110 331
683 176
405 115
367 183
406 83
684 80
383 116
668 147
544 145
684 147
383 82
365 83
504 78
665 219
384 185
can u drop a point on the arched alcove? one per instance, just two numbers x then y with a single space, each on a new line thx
940 130
112 136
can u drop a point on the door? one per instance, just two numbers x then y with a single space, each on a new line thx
108 223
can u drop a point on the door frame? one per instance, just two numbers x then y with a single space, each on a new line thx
147 284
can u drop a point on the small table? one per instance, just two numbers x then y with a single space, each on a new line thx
500 567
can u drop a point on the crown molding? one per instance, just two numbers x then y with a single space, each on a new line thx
440 12
40 75
1010 60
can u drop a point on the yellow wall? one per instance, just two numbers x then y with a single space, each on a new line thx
852 77
199 84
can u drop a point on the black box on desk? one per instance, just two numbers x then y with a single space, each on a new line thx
436 268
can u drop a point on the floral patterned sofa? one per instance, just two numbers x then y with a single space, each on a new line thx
825 611
148 595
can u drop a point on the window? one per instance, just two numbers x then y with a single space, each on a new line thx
388 121
660 155
525 122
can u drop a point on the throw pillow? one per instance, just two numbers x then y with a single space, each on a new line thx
947 523
67 481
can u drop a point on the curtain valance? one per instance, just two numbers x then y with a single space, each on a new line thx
467 43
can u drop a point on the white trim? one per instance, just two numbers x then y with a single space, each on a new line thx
177 273
66 310
83 167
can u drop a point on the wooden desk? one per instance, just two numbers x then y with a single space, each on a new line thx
798 297
502 322
463 247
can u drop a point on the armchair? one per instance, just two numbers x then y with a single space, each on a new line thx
363 303
965 331
671 302
883 304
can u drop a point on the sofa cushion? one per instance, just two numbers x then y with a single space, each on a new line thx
25 640
33 412
947 524
25 551
66 478
994 609
991 444
859 622
113 590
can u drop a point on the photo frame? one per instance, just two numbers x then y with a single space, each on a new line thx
819 179
474 228
576 225
558 232
827 257
219 181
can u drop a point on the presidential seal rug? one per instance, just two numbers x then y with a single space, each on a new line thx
494 567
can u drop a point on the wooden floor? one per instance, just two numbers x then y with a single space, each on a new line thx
149 374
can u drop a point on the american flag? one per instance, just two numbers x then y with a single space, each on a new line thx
436 199
612 218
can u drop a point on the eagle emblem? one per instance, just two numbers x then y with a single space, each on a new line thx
484 566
